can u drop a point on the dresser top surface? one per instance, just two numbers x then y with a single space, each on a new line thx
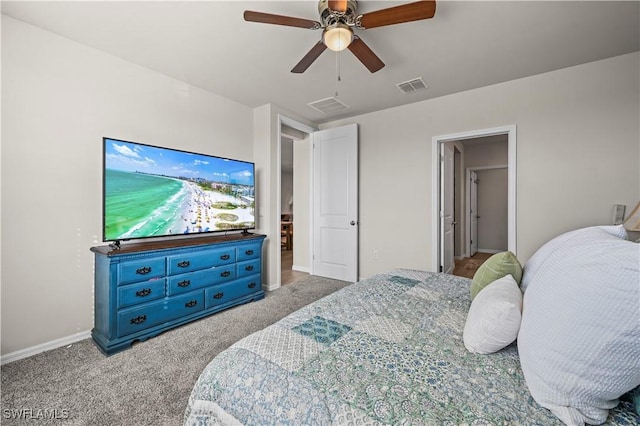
136 247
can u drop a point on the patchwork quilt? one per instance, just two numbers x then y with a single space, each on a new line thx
385 351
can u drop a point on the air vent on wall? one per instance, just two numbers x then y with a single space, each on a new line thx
328 105
411 86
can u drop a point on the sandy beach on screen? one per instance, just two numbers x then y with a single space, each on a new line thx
199 215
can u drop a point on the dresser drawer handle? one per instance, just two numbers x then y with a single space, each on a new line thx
191 304
225 273
252 285
248 252
143 271
184 264
139 319
184 283
144 292
248 268
225 257
218 295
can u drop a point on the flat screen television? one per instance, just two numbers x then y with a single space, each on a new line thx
150 191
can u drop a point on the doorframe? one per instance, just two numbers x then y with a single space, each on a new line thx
436 210
294 124
442 218
467 199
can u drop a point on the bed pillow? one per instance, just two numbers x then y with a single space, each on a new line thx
579 340
494 317
496 267
533 264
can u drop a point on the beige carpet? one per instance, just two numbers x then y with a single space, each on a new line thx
148 384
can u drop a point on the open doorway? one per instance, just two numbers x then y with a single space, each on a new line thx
491 153
294 207
325 214
487 214
485 202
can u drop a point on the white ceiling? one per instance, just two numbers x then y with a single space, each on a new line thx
465 46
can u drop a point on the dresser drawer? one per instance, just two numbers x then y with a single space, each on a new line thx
220 274
249 251
188 282
181 306
224 293
133 294
250 284
249 267
180 264
140 318
183 283
141 270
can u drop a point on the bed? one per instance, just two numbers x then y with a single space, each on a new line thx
385 350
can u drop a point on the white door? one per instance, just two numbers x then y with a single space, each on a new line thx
447 218
473 212
335 203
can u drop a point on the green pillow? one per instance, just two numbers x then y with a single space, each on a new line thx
494 268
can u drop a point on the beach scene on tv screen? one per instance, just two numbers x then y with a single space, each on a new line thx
151 191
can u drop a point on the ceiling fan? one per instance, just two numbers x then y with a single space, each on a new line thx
338 19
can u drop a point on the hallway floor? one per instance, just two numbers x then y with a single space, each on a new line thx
290 276
468 266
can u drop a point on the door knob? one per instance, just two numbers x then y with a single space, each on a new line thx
353 223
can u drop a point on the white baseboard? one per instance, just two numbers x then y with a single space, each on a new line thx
43 347
301 269
490 251
270 288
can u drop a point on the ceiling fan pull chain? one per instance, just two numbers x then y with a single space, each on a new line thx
338 78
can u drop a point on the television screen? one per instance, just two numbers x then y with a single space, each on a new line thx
149 191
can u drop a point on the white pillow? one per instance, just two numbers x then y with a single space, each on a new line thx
579 340
539 257
494 317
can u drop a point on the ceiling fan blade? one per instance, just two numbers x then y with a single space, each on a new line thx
289 21
338 5
365 55
399 14
308 59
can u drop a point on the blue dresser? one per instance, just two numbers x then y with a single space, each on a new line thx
143 289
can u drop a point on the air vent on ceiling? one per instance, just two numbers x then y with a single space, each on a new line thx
328 105
412 85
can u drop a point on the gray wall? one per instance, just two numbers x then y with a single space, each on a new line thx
577 154
59 99
492 190
492 210
302 204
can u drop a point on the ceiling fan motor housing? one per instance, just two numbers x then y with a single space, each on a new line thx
331 17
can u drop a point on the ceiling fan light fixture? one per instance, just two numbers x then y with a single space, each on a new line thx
337 37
